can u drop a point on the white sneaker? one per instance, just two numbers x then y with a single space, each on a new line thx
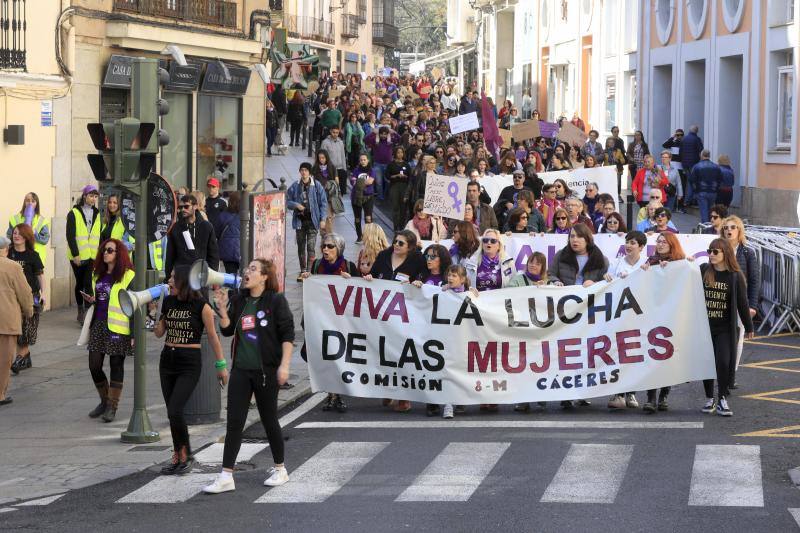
277 477
630 401
709 406
447 411
221 484
616 402
722 407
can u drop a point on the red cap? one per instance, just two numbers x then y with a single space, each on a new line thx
212 182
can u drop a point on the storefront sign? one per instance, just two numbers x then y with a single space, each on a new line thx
118 72
183 78
215 80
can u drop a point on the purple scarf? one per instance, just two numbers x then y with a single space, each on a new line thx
337 267
488 276
533 277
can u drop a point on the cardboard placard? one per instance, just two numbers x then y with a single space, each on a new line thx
463 123
436 73
572 135
525 130
506 135
334 93
445 196
368 87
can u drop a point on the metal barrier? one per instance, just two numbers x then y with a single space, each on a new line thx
778 252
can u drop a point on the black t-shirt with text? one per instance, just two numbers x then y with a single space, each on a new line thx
184 320
31 265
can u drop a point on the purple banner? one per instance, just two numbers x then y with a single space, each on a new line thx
548 130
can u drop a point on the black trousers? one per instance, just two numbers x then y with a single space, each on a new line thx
83 281
366 208
117 363
179 370
725 358
343 176
295 127
242 385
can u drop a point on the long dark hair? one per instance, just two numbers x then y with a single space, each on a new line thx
596 258
184 292
121 265
316 170
468 241
731 264
444 260
35 198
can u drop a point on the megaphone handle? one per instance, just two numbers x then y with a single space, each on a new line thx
160 304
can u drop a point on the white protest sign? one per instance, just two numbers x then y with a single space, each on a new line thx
463 123
383 339
445 196
577 180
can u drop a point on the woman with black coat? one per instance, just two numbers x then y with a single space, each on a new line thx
402 262
262 327
726 304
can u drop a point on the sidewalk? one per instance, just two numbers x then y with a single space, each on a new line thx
49 446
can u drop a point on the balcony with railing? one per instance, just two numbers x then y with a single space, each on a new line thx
349 28
385 35
13 38
361 12
309 28
211 12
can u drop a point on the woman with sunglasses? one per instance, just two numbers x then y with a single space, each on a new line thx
517 222
718 213
614 223
727 309
663 218
562 190
732 229
425 226
110 330
580 262
401 262
561 223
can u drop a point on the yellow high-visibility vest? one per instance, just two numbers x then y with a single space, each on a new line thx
156 250
87 242
39 222
117 321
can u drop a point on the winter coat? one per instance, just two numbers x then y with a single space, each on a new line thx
318 202
229 237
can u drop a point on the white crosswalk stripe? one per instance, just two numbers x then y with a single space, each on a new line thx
590 473
212 455
325 473
727 476
455 473
169 489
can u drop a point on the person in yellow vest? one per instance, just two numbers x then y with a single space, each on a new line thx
29 214
113 226
83 236
110 331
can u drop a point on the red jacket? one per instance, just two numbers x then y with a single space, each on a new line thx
638 183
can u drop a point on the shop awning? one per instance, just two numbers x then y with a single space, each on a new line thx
449 54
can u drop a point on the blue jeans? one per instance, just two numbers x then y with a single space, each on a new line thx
705 200
379 169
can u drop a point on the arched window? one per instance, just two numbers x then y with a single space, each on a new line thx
732 11
697 10
665 19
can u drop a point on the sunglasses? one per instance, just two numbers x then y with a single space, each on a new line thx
398 242
561 218
110 250
329 246
524 217
714 217
489 240
184 206
714 251
661 215
730 228
430 257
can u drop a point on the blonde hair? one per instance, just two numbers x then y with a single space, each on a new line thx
201 203
724 159
742 239
502 253
374 239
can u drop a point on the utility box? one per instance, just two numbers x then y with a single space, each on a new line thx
14 134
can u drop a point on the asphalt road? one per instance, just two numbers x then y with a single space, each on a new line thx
589 469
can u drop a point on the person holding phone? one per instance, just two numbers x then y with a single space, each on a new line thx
262 327
110 330
184 316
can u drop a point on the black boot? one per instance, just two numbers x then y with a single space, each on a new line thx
21 363
102 391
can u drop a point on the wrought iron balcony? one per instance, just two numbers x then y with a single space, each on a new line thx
211 12
385 35
13 39
309 28
349 26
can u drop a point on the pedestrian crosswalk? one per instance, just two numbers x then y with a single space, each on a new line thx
721 475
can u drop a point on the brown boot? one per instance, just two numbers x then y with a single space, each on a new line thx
102 391
114 394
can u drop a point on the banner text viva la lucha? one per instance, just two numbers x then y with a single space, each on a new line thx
383 339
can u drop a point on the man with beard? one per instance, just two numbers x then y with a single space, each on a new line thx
191 238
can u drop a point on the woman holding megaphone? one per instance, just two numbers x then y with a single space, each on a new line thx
262 326
184 316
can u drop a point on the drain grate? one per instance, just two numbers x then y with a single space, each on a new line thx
146 448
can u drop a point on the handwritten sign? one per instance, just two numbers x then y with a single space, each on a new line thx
463 123
548 130
572 135
506 136
445 196
368 87
525 130
334 93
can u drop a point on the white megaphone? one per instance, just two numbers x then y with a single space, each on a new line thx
29 213
201 276
130 301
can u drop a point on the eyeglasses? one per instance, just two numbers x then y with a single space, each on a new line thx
661 215
730 228
110 250
430 257
185 206
329 246
398 242
714 217
714 251
489 240
561 218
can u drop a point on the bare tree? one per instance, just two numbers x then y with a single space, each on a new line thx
422 24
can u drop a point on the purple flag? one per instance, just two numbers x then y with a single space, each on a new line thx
491 134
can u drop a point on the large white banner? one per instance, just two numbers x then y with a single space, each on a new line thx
520 246
577 180
383 339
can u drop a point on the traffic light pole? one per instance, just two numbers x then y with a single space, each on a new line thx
143 75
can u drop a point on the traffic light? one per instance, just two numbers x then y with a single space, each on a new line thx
102 164
121 158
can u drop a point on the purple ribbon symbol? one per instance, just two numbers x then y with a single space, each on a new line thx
452 191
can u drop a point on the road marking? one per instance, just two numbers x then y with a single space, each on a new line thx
41 501
455 473
726 475
783 432
795 514
590 473
212 455
325 473
775 345
541 424
169 489
768 365
788 334
768 396
8 510
302 409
